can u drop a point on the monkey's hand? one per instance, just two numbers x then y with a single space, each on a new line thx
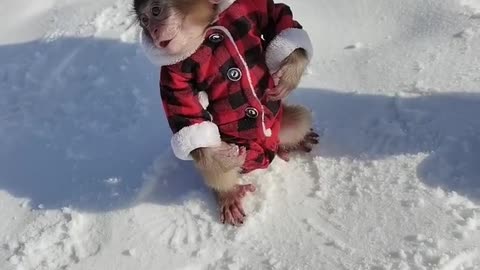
289 75
220 166
230 202
221 159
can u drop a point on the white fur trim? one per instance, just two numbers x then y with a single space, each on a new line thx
203 98
189 138
284 44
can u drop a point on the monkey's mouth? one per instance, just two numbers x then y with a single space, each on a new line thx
164 44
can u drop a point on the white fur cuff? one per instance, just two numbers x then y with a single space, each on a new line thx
284 44
189 138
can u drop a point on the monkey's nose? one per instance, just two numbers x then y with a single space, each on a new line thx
154 32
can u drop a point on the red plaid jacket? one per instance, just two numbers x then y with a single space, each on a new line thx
219 91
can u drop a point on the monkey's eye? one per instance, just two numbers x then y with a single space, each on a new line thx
144 20
156 11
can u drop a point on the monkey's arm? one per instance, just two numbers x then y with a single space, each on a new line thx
188 119
289 49
282 33
195 136
220 166
289 75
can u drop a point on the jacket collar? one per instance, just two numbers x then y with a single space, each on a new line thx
159 57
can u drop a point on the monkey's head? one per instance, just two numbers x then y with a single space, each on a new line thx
171 25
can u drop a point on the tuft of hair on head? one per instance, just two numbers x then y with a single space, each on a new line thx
137 4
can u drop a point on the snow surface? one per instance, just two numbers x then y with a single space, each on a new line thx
87 180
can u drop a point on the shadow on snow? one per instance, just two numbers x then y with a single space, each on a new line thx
81 124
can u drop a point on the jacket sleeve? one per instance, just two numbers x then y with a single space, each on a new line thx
185 109
281 32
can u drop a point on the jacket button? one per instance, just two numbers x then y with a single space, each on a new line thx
234 74
251 112
216 38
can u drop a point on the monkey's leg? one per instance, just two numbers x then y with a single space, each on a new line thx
296 133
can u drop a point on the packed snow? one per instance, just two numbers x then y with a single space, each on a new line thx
88 181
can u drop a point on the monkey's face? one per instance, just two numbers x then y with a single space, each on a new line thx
171 24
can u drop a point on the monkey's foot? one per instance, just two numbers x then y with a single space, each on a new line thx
306 146
309 141
230 202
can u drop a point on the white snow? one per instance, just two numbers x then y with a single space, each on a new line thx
87 179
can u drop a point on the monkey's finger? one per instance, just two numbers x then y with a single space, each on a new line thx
274 93
238 217
242 155
277 76
249 187
285 87
222 214
227 150
240 208
228 217
242 151
276 80
222 217
241 192
240 160
279 73
281 92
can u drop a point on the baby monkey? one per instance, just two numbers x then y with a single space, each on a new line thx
226 67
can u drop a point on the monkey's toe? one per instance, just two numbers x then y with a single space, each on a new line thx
313 134
305 147
312 138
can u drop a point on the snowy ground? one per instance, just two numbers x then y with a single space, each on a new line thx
87 180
